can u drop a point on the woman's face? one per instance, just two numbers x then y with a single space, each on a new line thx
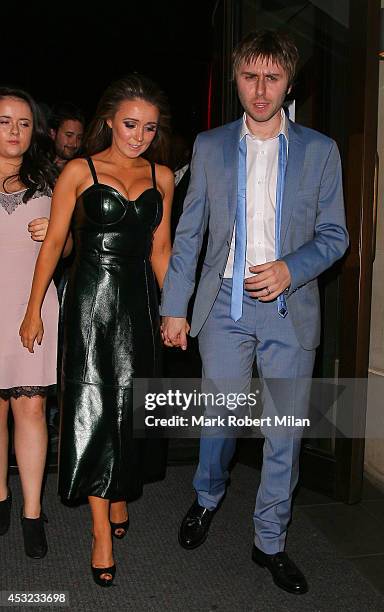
16 125
134 126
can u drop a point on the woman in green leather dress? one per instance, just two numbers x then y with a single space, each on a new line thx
117 201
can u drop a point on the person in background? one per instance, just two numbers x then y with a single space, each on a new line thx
180 163
67 125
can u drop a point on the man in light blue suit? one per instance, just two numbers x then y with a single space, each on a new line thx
270 193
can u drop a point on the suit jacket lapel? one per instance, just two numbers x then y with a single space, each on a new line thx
296 155
231 163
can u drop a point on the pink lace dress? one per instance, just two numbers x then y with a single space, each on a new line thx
21 372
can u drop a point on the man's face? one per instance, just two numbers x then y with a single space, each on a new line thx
262 87
68 139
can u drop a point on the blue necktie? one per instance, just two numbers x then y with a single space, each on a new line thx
282 166
241 227
240 236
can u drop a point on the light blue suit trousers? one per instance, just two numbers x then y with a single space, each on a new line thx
228 350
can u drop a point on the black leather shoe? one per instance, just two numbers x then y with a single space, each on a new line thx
35 541
284 572
195 526
5 513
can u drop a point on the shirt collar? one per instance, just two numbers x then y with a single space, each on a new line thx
283 128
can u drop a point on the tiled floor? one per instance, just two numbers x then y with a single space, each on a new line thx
356 531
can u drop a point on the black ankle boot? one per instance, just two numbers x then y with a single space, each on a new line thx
5 513
35 541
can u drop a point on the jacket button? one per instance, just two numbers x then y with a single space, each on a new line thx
220 275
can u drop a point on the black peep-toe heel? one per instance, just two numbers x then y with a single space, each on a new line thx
115 526
97 572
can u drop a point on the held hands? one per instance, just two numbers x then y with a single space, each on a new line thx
269 280
174 331
38 228
31 330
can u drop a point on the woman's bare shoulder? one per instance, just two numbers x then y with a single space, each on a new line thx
164 174
74 172
75 167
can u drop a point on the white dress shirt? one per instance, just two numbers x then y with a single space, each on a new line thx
262 166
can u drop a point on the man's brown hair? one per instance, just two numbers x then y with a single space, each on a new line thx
269 45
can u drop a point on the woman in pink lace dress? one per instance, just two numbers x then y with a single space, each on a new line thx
26 179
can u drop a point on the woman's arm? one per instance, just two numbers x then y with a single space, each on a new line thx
68 246
38 229
63 202
161 247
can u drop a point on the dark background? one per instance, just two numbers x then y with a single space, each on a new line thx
70 51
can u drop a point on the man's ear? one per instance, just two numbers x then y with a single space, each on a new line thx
288 90
109 123
52 133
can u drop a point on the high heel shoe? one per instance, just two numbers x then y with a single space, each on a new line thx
116 526
5 513
97 572
35 541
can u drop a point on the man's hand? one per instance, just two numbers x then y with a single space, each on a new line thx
38 228
269 280
174 331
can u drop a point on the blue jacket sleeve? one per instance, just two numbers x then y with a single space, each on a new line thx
330 239
179 282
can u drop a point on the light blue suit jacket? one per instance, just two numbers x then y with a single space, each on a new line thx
313 231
